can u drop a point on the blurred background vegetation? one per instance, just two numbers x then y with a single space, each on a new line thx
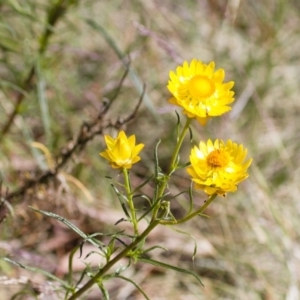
62 61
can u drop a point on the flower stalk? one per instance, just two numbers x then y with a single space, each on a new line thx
192 215
174 159
130 201
172 167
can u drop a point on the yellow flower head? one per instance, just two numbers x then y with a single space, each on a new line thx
122 151
200 90
218 167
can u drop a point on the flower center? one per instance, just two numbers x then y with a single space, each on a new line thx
217 158
200 87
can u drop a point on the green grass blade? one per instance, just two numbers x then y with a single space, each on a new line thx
44 107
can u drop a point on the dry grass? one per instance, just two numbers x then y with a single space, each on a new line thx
249 247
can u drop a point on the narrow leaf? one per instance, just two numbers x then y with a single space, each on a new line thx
191 134
177 126
121 198
189 235
155 247
167 266
104 291
178 117
191 198
37 270
143 184
135 284
67 223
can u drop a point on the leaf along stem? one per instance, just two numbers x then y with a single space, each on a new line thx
112 262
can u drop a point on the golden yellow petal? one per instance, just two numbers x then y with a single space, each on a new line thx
173 78
137 149
110 142
131 141
219 76
209 69
203 148
186 69
135 159
203 121
219 110
193 66
122 135
210 190
105 155
173 101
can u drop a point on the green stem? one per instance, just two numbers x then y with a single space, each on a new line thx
192 215
154 222
70 272
122 254
172 167
130 201
173 163
70 269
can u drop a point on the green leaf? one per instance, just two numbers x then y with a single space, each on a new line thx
143 184
185 165
69 224
154 247
37 270
93 252
121 268
191 134
178 118
81 276
177 126
189 235
167 266
135 284
104 291
121 198
175 196
70 264
24 293
191 198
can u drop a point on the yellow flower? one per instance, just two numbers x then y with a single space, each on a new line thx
218 167
122 151
200 90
